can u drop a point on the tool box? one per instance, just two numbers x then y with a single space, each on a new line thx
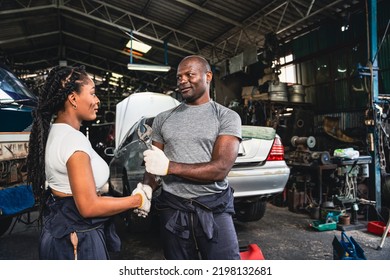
347 248
328 223
321 226
377 227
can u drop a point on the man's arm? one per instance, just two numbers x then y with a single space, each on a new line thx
150 179
224 154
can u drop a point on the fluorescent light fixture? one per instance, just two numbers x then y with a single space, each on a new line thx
138 46
97 78
148 67
26 76
116 75
113 83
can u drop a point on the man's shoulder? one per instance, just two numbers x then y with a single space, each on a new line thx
225 111
167 112
163 116
221 107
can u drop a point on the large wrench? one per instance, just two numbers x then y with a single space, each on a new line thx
145 137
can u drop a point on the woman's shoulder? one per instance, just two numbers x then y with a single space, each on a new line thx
66 130
67 135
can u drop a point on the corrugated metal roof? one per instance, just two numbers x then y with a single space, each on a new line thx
37 34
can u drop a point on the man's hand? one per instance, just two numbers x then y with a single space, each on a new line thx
156 162
146 193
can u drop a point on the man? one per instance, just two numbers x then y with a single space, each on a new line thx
194 147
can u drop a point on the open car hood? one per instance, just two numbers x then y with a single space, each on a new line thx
13 91
136 106
16 103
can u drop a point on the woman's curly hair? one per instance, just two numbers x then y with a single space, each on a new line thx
60 82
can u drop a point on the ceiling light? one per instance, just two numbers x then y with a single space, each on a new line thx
148 67
133 52
118 76
138 46
344 27
113 83
27 76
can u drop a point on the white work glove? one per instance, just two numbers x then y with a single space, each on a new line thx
146 193
156 162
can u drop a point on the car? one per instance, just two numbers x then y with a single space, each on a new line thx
259 172
17 103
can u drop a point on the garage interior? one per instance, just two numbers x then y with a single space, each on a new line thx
318 72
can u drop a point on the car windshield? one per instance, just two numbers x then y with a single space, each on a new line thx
12 89
127 166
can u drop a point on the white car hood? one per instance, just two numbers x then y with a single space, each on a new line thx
137 105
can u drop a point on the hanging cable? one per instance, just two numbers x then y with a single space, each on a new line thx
383 39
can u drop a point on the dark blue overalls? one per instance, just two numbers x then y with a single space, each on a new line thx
96 236
200 228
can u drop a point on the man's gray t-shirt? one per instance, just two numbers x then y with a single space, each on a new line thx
188 133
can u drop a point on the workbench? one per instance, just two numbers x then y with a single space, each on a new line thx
318 169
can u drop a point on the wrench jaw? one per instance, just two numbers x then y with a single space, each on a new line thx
146 135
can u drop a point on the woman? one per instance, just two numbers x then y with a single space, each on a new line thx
69 175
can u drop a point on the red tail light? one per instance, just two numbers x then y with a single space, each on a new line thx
277 150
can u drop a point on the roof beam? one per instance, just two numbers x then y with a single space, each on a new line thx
261 15
119 34
128 27
224 46
105 46
309 14
210 13
35 36
28 8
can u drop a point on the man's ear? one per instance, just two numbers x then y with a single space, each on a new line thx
209 76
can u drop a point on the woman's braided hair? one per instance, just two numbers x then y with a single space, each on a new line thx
60 82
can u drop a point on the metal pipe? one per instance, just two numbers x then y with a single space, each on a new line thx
373 37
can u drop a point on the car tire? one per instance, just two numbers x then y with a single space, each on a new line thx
251 211
5 224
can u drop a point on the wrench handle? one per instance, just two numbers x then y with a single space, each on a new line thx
156 177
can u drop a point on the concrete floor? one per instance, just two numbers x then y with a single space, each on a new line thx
281 235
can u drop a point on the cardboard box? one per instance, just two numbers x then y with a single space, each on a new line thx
248 92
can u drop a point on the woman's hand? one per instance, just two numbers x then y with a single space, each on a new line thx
145 191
